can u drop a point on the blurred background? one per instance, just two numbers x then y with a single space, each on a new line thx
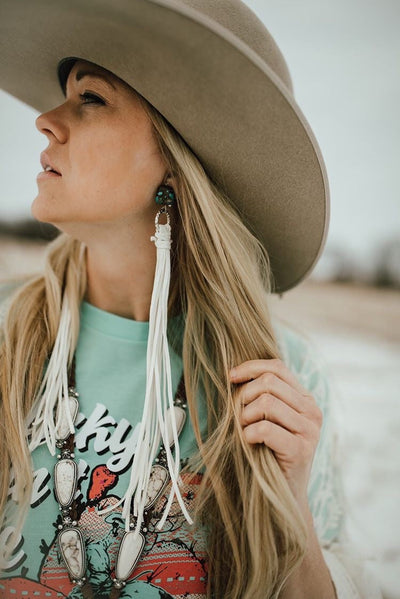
344 58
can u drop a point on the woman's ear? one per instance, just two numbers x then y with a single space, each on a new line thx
170 180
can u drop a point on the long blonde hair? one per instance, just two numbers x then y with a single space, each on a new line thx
256 535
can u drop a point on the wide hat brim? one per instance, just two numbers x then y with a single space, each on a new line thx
235 113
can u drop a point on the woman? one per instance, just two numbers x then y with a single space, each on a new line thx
143 499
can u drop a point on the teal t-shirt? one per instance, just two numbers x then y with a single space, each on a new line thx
110 380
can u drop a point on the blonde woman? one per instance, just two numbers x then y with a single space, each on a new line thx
162 436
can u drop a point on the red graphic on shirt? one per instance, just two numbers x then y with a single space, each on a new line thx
23 587
173 564
176 556
101 481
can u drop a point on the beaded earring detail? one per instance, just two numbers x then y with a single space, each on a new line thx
159 417
165 196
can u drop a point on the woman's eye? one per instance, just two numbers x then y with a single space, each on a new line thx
92 98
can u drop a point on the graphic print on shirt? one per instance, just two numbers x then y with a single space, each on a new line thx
174 562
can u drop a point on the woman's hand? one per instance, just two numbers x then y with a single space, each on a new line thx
282 414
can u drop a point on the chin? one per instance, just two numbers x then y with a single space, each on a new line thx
42 211
48 211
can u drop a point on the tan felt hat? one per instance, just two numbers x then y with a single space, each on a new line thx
216 74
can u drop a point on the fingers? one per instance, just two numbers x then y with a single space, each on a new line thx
255 368
272 435
268 382
269 407
277 411
291 450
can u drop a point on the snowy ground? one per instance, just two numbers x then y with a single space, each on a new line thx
357 331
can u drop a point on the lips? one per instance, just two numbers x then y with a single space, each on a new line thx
45 161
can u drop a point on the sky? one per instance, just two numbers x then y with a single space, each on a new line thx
344 59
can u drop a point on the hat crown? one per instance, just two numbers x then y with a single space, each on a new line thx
239 19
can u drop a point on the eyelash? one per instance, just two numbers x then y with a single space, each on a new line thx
95 99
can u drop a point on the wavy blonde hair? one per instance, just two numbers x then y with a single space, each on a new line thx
256 535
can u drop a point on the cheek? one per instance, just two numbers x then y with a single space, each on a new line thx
96 162
116 176
98 171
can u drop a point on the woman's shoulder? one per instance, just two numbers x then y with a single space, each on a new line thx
295 344
301 353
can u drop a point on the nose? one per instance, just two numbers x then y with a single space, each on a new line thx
52 124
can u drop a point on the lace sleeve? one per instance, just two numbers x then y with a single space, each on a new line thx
349 571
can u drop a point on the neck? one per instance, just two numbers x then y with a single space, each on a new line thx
120 273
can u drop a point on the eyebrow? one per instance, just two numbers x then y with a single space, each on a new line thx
85 73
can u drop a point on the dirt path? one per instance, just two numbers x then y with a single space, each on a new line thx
352 309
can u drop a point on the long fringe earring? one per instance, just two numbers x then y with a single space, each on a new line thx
159 416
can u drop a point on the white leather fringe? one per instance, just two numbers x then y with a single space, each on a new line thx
51 405
158 398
